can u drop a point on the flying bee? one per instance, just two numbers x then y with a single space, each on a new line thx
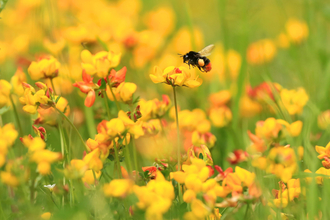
199 59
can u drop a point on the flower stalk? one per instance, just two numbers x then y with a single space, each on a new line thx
74 128
16 116
178 138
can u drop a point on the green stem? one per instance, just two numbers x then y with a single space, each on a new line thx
128 157
95 179
52 83
114 97
90 121
136 166
74 128
247 211
178 138
65 153
1 212
117 162
190 25
16 116
106 105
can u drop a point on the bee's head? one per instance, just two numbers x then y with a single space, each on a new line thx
185 57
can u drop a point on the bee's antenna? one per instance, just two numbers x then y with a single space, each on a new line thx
180 55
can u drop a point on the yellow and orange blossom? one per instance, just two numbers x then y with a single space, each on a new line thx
46 67
100 63
175 76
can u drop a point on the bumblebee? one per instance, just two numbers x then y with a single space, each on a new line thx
199 59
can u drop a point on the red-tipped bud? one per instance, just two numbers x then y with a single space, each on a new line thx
41 85
90 99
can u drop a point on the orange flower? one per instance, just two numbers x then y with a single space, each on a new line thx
88 87
117 77
263 91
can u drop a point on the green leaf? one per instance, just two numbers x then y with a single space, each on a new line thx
58 98
103 84
3 4
4 110
136 100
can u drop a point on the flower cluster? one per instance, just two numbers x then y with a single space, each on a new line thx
38 154
202 192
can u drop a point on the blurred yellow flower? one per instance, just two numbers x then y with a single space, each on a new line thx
297 30
220 98
46 215
220 116
294 100
161 20
5 88
249 107
46 67
9 179
323 120
261 52
16 80
118 188
55 47
89 177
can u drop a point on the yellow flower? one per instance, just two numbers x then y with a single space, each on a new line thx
246 177
324 171
115 127
55 47
93 160
261 51
9 179
154 108
32 99
297 30
189 195
249 107
89 177
118 188
283 40
323 120
268 129
282 162
5 88
220 98
123 93
44 158
16 80
220 116
99 63
46 215
293 129
199 209
175 76
161 20
294 100
76 169
46 67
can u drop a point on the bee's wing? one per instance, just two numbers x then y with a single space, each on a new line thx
206 51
